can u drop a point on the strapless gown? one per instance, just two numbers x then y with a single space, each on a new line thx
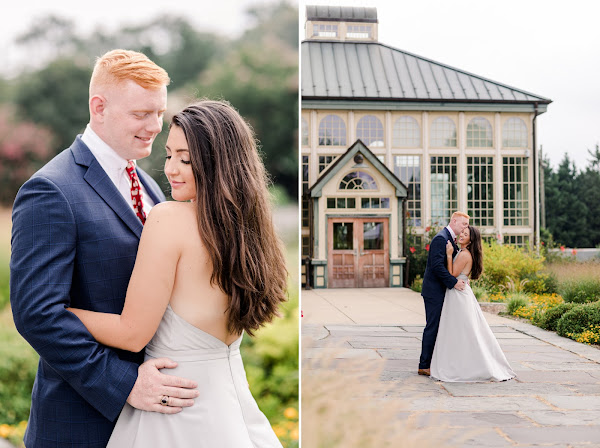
465 349
225 415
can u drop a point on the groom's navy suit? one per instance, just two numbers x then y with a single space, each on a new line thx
436 280
74 243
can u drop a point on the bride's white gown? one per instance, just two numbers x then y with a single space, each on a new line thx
225 414
466 350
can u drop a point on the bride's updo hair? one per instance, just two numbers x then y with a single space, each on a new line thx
234 213
476 253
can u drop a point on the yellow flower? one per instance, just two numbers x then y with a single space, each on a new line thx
5 431
294 434
290 413
279 431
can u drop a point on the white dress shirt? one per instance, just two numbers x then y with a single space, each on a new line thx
114 165
452 234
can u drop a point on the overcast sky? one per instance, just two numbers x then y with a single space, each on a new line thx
548 48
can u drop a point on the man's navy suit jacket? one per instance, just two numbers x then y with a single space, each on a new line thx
74 243
437 278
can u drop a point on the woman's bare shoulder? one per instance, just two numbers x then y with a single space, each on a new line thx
465 254
172 209
172 217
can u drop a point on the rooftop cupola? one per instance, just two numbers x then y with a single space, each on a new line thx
341 23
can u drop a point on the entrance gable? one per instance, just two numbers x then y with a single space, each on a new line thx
358 148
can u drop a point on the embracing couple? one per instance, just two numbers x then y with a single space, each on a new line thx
102 268
458 344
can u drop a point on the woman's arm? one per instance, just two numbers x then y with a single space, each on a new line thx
149 289
455 267
449 252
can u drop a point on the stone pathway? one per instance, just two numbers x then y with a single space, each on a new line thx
553 402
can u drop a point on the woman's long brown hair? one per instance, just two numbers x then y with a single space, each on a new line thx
476 253
234 213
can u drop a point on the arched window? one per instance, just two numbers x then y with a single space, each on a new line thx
370 130
358 180
406 133
479 133
304 132
443 133
332 131
514 133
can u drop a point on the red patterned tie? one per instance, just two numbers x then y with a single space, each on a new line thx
136 192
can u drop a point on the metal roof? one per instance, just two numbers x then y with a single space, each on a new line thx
374 71
341 13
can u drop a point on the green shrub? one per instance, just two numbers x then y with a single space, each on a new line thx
516 302
271 363
18 365
541 283
581 290
579 320
4 279
504 264
417 284
550 318
481 293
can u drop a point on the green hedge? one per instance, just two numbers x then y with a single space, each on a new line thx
579 319
550 318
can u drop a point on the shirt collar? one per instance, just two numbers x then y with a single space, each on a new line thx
108 158
452 234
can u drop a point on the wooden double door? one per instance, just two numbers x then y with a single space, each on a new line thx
358 252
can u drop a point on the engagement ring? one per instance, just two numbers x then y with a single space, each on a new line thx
164 400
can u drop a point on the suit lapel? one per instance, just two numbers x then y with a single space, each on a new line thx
97 178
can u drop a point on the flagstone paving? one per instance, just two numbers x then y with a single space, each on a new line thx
553 402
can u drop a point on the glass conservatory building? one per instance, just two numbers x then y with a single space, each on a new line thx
394 142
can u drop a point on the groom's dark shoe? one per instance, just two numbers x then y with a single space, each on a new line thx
426 372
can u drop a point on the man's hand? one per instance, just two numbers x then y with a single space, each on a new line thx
460 285
151 386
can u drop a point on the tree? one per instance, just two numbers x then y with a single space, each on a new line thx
172 42
259 77
595 158
567 213
56 97
588 183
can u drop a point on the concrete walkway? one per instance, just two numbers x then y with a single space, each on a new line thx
553 402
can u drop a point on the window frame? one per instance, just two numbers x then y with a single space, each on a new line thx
435 124
342 128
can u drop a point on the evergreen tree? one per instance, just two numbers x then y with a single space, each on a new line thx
589 187
566 208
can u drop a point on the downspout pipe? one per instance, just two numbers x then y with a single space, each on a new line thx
536 224
405 234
